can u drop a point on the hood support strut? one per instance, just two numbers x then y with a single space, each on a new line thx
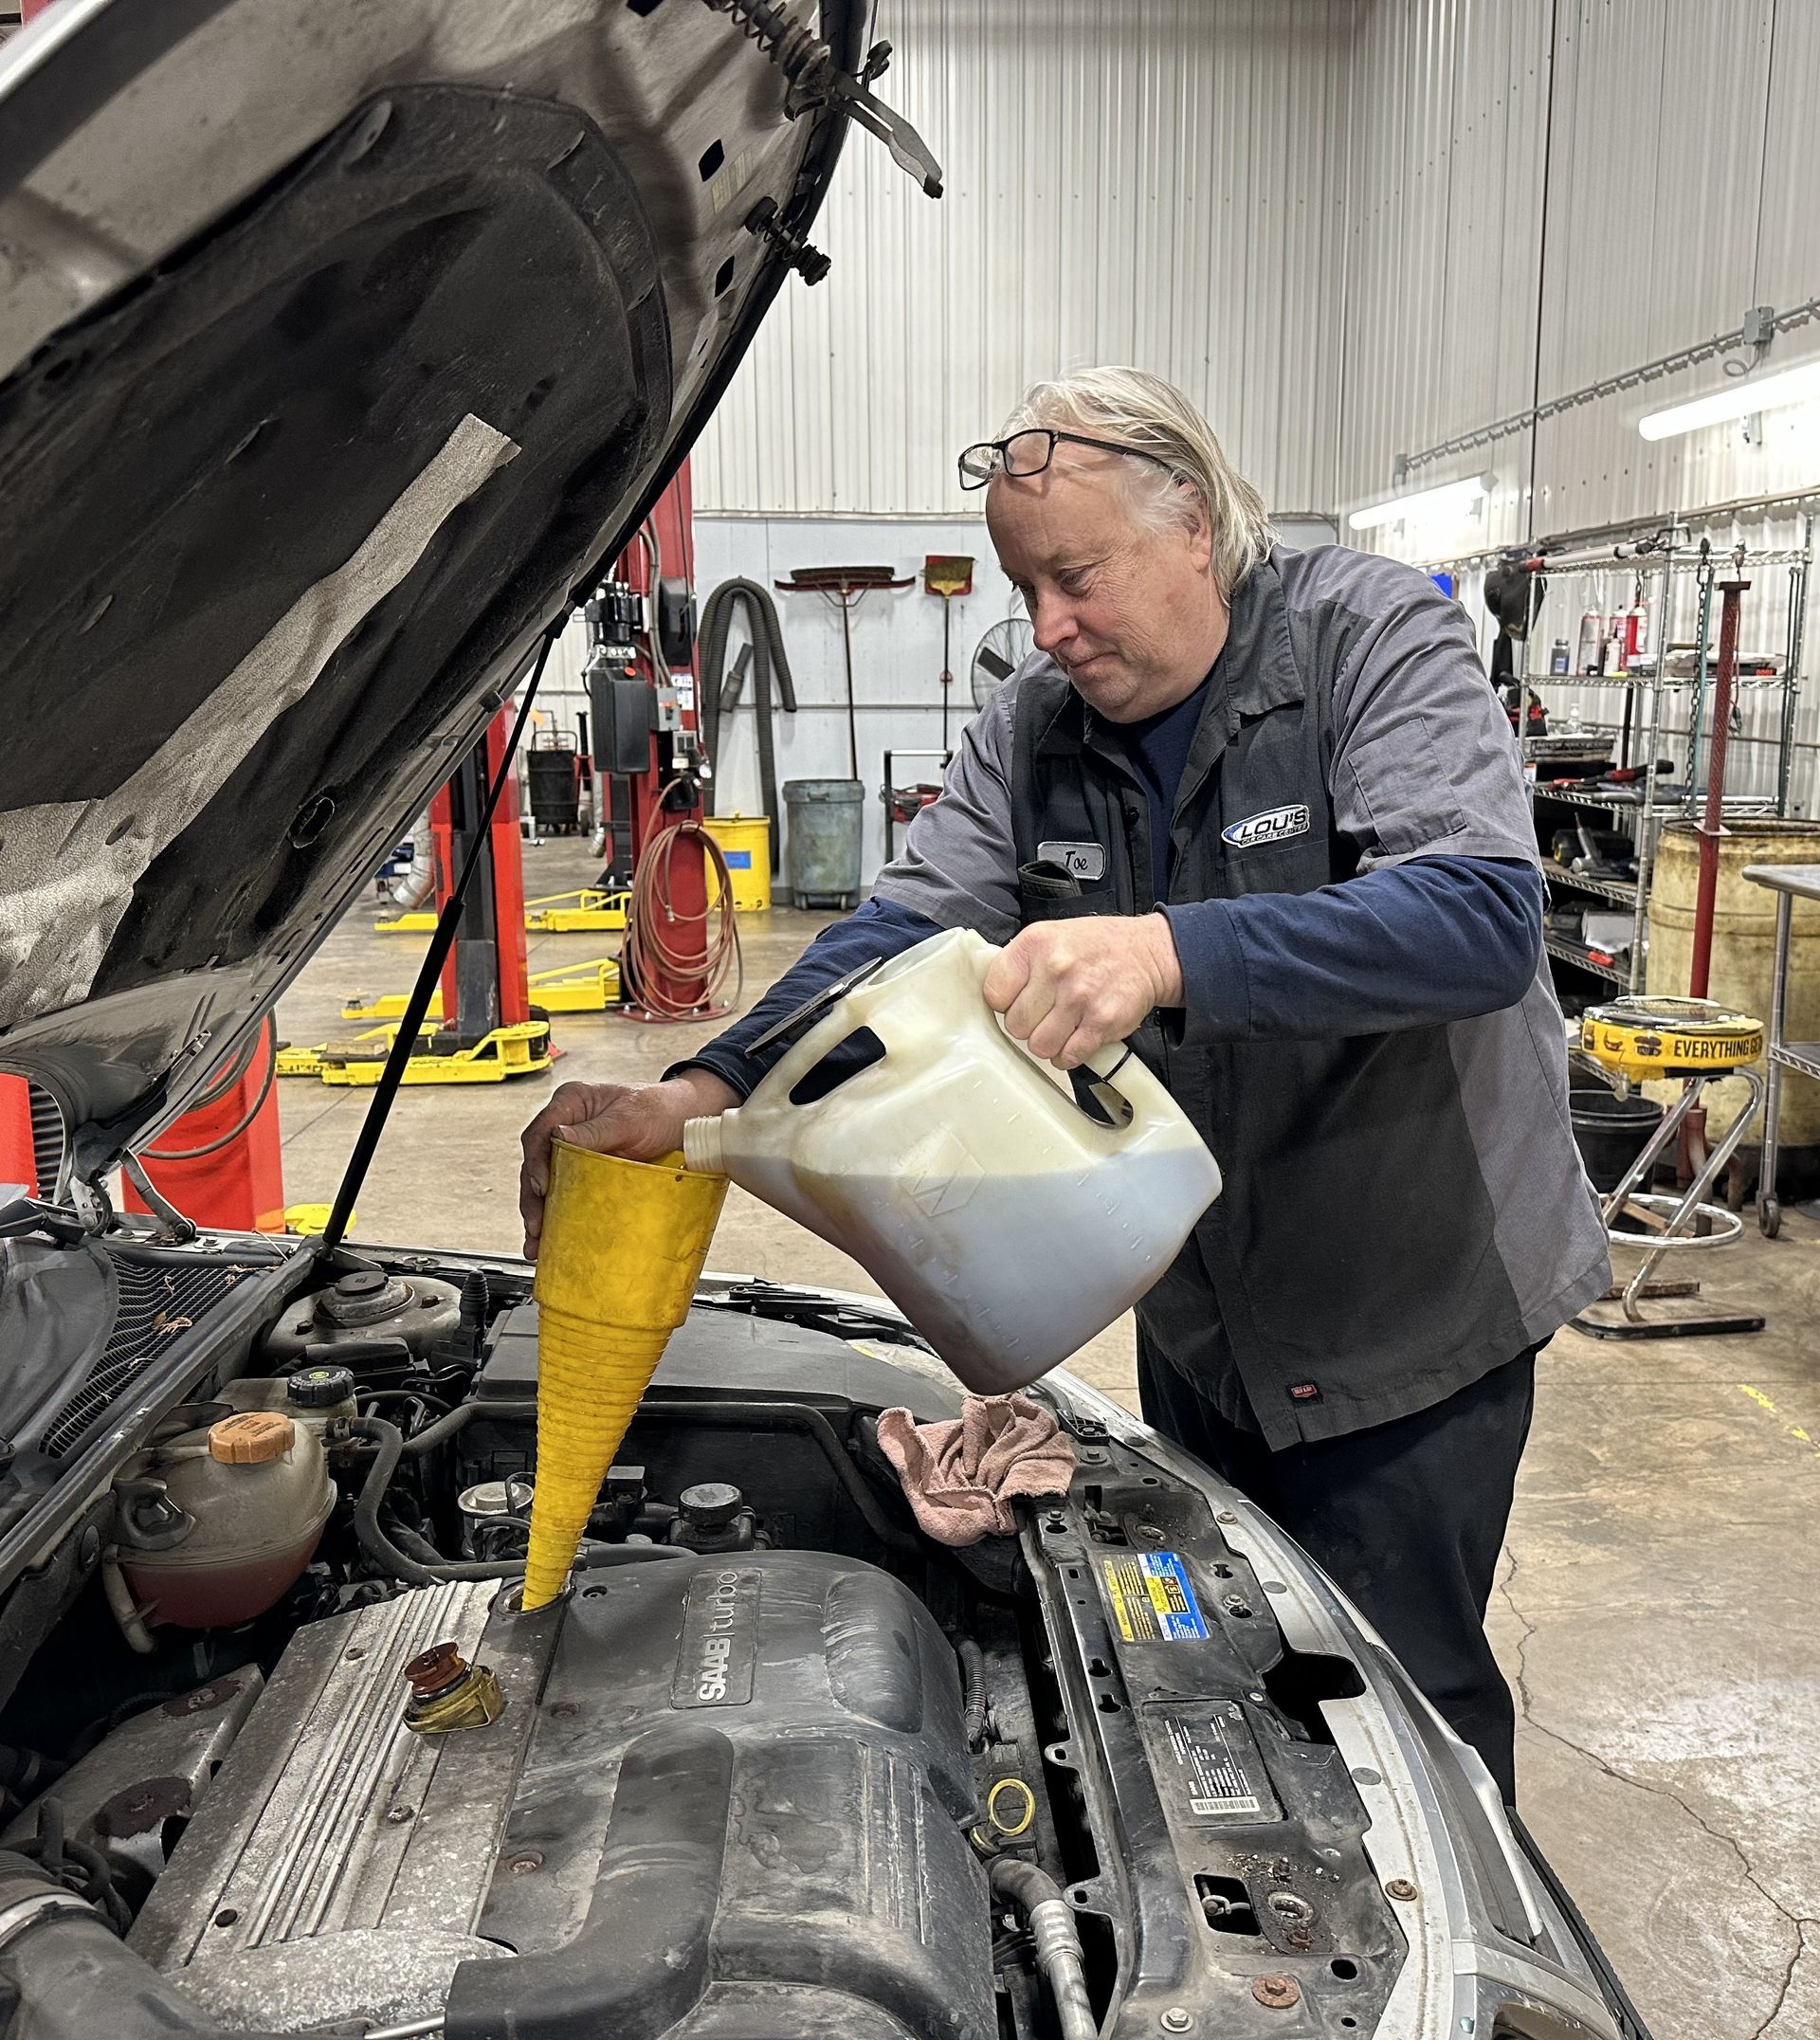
404 1043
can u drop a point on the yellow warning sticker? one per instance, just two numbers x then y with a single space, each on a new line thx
1152 1600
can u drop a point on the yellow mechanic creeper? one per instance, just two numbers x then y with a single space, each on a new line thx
623 1245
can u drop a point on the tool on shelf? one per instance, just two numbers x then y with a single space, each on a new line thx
846 588
949 576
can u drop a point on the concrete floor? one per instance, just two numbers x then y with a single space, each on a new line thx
1657 1607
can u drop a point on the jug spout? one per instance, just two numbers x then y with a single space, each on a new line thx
702 1146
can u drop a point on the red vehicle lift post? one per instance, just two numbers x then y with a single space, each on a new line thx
486 983
18 1152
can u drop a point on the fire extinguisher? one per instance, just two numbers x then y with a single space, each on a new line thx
1636 628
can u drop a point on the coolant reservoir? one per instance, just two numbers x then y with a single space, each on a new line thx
1009 1222
254 1491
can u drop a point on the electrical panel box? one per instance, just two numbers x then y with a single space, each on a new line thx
621 705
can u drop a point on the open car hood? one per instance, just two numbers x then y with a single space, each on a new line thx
340 346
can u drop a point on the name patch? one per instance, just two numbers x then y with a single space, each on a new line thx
714 1664
1276 824
1084 859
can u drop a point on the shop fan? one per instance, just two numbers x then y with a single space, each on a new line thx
998 655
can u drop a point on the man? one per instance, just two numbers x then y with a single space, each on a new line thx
1259 812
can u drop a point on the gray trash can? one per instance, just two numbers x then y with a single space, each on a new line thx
822 850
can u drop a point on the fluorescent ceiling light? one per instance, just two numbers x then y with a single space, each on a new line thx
1736 400
1451 497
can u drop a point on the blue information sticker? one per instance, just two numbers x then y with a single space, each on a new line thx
1153 1601
737 860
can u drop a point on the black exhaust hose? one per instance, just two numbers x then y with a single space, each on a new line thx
398 1564
768 656
63 1975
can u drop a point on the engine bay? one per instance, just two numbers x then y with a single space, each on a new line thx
768 1768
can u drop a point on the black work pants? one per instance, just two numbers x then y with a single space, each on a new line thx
1407 1519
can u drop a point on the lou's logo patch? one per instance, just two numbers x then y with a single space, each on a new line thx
1276 824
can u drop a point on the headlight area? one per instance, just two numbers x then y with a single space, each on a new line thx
1487 1949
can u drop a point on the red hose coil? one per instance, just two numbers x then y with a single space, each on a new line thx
653 957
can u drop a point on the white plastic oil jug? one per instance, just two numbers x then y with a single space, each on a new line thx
1009 1223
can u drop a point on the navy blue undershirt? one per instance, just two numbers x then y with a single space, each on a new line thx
1434 940
1157 750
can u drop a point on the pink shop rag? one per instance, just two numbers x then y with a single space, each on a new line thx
962 1475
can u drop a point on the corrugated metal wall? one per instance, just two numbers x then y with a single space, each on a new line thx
1546 193
1352 227
1450 120
1151 181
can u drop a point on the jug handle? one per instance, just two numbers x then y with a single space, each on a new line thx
851 1012
1117 1065
821 1040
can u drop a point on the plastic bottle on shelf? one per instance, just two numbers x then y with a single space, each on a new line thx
1591 651
1636 629
1558 658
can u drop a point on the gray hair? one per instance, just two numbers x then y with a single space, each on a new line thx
1145 412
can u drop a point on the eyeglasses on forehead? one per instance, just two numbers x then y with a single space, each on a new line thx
1030 451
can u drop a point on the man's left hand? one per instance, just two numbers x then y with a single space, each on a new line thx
1069 987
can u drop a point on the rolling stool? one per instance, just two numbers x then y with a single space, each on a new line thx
1696 1040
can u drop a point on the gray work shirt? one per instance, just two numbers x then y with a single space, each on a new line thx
1350 686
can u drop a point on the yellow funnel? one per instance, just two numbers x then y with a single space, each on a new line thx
623 1245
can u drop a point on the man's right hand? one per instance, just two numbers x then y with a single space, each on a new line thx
643 1122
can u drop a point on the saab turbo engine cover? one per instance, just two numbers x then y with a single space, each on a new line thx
736 1789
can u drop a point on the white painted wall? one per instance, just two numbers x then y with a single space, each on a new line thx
897 652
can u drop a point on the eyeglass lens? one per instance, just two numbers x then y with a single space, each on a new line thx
1028 453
